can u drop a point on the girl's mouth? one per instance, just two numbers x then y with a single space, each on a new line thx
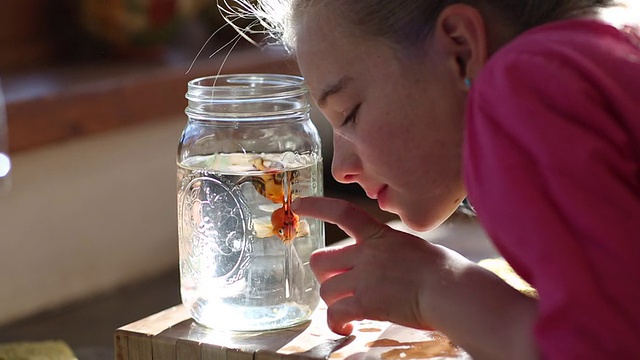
381 196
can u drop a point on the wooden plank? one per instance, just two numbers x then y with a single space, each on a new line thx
175 342
172 335
139 347
267 355
164 348
188 350
121 345
186 340
238 354
139 335
212 352
157 323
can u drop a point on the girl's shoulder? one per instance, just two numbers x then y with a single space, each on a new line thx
588 50
588 36
633 33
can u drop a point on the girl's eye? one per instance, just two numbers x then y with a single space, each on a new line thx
351 118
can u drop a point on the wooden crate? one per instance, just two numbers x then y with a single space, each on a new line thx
172 335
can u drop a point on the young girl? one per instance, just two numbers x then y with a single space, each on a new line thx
531 109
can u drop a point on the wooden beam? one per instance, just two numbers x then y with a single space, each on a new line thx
60 105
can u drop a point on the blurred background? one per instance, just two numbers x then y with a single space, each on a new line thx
38 33
94 93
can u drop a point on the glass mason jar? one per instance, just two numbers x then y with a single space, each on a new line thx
249 147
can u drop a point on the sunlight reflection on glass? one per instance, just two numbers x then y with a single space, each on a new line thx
5 161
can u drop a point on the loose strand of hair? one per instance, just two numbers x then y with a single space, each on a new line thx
205 45
237 39
267 15
244 9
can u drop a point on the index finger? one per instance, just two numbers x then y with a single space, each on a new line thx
353 220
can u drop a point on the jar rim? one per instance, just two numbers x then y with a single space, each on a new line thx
235 86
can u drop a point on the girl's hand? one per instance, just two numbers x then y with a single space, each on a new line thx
380 277
393 276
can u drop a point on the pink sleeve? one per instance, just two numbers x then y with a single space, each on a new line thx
553 176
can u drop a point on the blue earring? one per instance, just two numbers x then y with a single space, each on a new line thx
467 82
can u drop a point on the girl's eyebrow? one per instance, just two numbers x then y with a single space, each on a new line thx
333 89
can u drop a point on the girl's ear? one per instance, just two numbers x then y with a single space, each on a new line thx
460 32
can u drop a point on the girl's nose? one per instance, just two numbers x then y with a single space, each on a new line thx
346 165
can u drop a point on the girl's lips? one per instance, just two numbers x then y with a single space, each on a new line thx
374 194
381 196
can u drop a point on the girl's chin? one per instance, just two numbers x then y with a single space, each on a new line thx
412 211
424 220
419 225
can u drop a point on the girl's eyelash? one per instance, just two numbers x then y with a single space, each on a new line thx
351 118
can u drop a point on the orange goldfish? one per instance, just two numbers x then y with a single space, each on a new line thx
284 222
271 184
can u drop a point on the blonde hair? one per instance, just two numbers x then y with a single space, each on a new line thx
275 18
402 22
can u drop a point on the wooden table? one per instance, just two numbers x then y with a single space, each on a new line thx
171 334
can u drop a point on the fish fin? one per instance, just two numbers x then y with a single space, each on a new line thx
263 230
258 163
303 229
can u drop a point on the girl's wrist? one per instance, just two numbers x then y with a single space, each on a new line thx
477 310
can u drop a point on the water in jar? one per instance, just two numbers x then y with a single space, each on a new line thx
236 271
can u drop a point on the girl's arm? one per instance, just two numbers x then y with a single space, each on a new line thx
393 276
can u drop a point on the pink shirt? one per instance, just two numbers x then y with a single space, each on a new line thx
552 166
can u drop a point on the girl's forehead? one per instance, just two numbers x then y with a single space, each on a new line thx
330 59
317 47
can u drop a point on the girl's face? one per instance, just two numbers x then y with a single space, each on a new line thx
397 120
